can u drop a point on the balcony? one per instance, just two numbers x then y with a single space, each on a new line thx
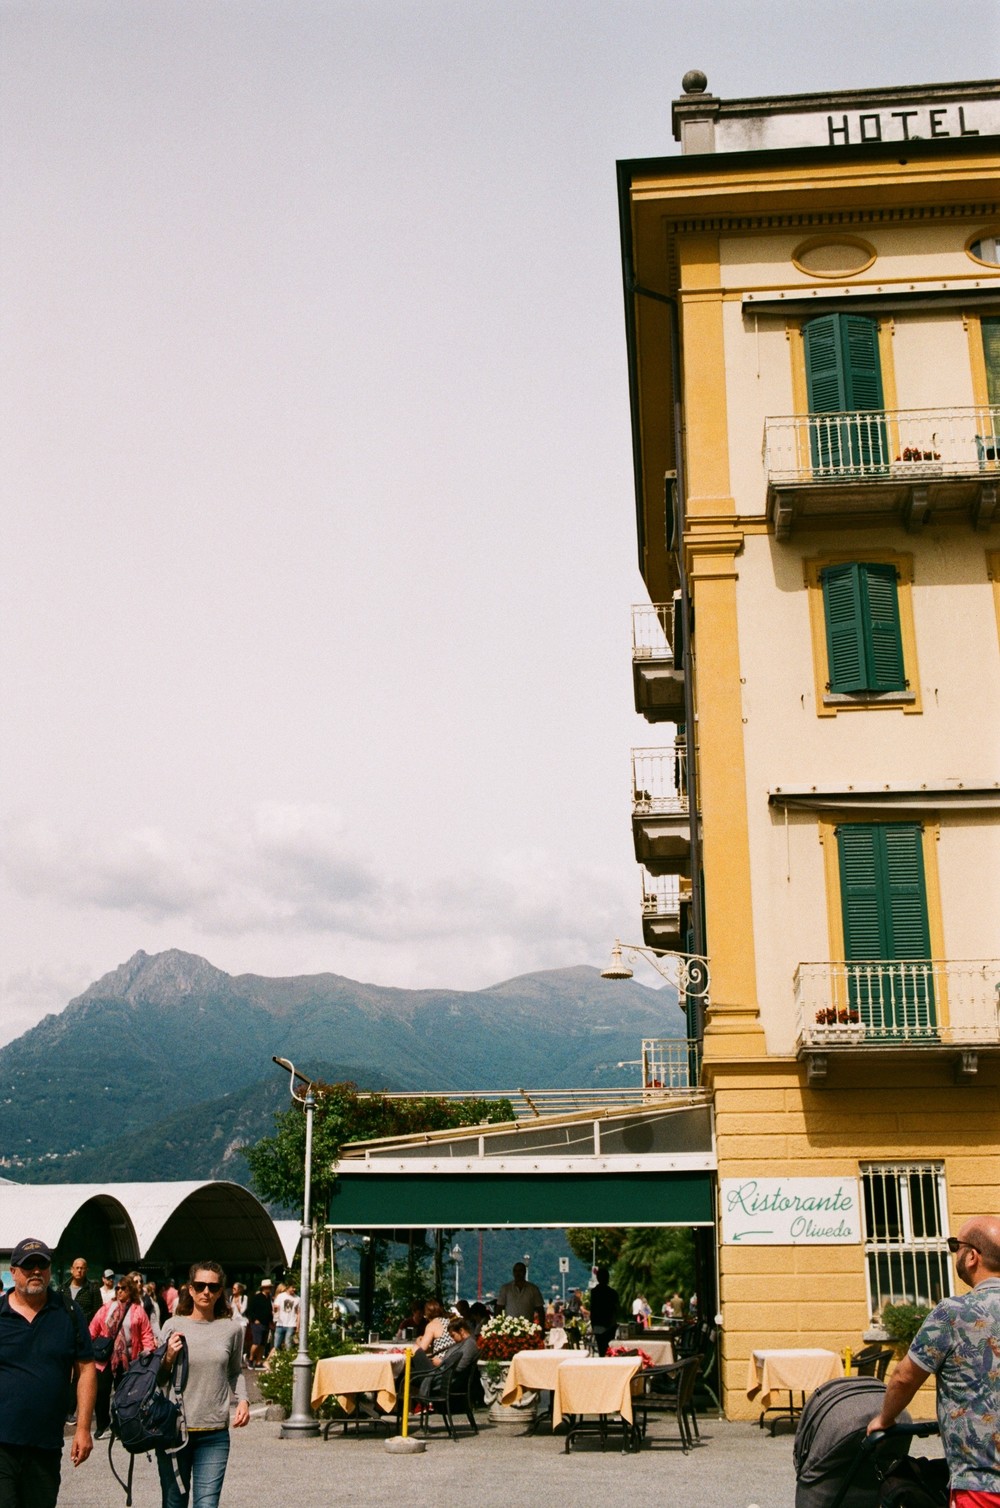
661 822
905 1007
658 682
662 899
907 466
670 1064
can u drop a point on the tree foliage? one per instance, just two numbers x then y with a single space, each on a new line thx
651 1260
346 1114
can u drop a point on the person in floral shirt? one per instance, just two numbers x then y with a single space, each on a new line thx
959 1342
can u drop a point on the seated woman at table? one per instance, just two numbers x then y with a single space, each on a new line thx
461 1353
415 1322
436 1339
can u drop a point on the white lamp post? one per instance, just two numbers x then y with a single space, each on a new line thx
300 1424
456 1257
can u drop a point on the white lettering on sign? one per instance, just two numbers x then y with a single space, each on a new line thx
790 1212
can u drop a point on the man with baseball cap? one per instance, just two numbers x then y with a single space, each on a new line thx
45 1357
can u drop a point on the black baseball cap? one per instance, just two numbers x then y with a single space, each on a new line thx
28 1248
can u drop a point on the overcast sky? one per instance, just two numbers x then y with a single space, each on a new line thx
318 533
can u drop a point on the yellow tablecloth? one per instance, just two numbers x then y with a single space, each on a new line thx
348 1375
533 1370
600 1385
660 1352
790 1372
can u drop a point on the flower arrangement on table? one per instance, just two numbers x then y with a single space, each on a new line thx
644 1356
502 1337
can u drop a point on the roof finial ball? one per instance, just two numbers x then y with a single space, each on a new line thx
694 82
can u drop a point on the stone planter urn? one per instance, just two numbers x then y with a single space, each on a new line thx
517 1417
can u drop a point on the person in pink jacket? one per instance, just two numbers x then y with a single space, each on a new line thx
126 1321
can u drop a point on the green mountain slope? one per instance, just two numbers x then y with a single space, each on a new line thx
170 1039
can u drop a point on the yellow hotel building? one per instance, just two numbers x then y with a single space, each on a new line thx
812 293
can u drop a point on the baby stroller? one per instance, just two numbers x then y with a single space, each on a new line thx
838 1465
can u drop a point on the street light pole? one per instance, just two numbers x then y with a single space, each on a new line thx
300 1424
456 1257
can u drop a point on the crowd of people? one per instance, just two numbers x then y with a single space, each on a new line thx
65 1346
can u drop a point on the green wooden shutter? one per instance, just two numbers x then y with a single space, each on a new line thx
907 931
861 891
862 367
864 642
844 613
826 390
863 387
884 906
825 377
883 638
991 355
844 374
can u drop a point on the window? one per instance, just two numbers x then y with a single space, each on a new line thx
863 637
887 940
844 376
985 249
905 1220
864 644
991 355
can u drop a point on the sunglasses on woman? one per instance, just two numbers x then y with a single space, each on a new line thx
207 1287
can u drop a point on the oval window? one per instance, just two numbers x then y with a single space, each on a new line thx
843 258
985 249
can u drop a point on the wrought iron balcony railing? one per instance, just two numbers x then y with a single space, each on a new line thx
659 781
670 1063
661 896
653 631
887 1003
878 444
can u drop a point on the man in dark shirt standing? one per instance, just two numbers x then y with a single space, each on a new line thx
78 1286
45 1355
603 1311
260 1313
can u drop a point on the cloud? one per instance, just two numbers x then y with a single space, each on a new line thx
289 869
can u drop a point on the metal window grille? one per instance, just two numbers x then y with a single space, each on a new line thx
906 1221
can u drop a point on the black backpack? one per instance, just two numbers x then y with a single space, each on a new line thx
143 1416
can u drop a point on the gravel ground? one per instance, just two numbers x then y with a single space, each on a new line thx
735 1466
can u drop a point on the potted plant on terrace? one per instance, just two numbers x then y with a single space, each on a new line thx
841 1024
499 1341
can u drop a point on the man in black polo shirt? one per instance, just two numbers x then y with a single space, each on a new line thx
45 1356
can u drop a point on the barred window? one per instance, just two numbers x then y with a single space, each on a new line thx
906 1221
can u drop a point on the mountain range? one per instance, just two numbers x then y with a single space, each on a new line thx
162 1068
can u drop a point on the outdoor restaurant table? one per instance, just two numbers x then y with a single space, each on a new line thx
597 1385
347 1376
789 1371
534 1370
660 1352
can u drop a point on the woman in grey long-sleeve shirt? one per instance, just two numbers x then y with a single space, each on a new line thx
215 1371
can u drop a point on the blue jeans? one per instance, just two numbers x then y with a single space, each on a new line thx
284 1337
202 1466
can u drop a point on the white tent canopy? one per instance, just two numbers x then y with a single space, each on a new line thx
157 1224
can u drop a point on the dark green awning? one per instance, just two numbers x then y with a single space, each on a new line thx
463 1201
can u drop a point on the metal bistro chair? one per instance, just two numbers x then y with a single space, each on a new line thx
442 1395
872 1361
668 1390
